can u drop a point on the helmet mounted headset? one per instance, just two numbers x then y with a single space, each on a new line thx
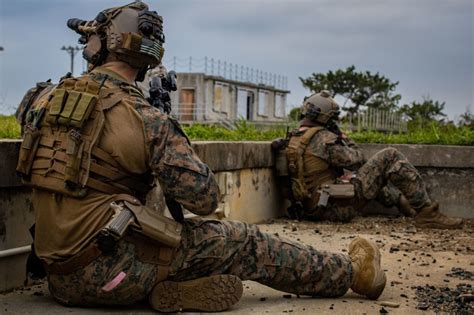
319 108
130 33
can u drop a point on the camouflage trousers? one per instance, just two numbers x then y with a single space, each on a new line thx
387 175
209 247
384 177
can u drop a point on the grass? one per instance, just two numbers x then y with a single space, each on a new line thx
9 128
243 132
432 133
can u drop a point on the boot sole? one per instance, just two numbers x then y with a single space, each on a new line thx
210 294
373 263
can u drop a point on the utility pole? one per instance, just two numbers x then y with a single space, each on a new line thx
72 51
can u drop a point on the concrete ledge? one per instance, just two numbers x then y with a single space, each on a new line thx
9 150
422 155
229 156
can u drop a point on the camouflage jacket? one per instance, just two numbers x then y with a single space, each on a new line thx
142 140
338 153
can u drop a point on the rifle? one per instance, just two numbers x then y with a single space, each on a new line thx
160 88
334 128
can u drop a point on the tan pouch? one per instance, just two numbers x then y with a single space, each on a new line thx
339 191
28 149
56 105
74 149
82 110
155 225
71 103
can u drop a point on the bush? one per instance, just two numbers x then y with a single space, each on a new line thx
432 133
9 128
243 132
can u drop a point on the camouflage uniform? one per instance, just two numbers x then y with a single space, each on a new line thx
210 248
383 177
207 247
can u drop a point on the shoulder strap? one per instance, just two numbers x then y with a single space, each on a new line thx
308 135
27 101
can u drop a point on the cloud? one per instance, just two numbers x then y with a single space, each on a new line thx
426 45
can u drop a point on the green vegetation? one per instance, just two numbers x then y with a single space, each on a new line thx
243 132
357 88
428 110
9 128
432 133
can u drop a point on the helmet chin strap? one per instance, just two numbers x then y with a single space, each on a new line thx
141 74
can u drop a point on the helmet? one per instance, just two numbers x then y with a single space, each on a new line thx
320 108
129 33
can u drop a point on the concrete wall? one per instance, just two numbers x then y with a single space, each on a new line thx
447 170
249 192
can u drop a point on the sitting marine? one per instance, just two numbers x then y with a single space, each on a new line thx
92 149
326 176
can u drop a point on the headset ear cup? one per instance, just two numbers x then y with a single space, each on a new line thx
313 113
94 52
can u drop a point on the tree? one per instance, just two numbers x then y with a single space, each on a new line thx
294 114
467 120
358 88
428 110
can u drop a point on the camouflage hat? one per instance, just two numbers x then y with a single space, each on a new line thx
129 33
320 108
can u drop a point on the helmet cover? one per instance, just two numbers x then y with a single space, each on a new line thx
129 33
320 108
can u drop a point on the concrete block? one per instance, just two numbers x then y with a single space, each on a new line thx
255 196
441 156
16 217
9 150
228 156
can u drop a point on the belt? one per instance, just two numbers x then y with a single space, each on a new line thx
78 261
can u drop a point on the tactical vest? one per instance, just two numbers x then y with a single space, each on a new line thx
307 172
60 150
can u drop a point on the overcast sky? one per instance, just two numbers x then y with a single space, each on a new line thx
426 45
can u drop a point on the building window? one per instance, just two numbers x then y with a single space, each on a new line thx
242 103
221 97
280 104
262 103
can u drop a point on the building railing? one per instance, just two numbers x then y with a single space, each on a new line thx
377 120
227 70
364 120
194 112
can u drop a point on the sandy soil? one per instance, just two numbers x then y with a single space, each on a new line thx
428 271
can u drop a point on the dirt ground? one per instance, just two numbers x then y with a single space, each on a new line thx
428 271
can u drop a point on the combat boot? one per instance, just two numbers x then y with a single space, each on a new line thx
209 294
430 217
405 207
368 278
